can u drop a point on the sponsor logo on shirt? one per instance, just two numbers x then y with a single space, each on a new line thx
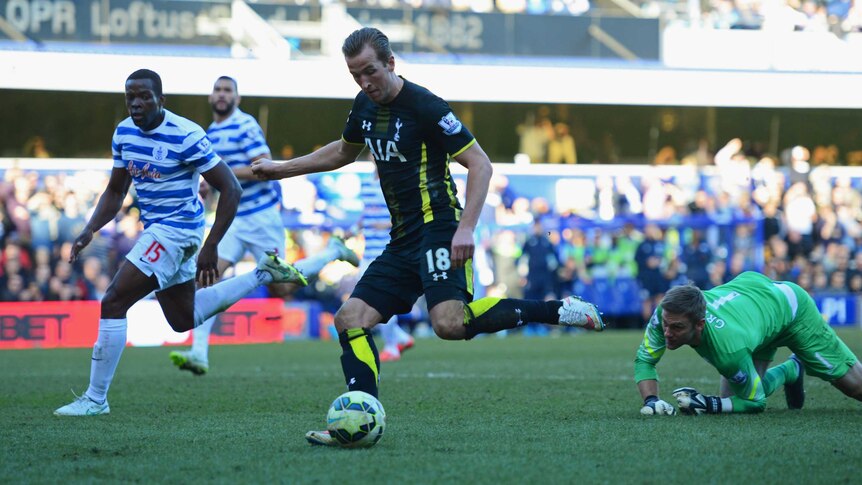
450 124
147 171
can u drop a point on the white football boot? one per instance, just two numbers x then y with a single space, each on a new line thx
576 312
83 406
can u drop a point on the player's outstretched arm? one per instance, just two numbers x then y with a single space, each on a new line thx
330 157
649 353
109 204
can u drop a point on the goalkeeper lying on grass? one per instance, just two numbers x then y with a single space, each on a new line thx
737 327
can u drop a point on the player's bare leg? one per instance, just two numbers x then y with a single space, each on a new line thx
851 382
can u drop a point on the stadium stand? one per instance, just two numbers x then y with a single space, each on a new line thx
613 89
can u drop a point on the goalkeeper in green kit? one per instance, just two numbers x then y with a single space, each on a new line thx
737 327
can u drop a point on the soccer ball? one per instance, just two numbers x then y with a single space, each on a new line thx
356 419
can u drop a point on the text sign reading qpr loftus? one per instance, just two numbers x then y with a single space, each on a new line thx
169 21
76 324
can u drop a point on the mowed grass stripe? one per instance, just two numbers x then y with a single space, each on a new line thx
511 410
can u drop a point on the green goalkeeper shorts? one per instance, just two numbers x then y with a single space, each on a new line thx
811 338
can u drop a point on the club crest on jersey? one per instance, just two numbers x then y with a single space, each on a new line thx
204 144
398 125
159 153
450 124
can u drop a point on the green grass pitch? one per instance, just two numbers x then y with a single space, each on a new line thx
494 410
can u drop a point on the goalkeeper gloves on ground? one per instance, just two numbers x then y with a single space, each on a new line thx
654 405
694 403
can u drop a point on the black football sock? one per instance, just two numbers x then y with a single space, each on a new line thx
489 315
359 360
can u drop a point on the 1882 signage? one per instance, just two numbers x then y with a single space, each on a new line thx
181 22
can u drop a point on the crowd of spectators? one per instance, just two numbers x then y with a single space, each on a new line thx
534 7
791 217
839 16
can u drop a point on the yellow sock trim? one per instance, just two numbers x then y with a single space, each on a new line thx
476 309
362 350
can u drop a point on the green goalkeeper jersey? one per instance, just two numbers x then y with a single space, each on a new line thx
745 315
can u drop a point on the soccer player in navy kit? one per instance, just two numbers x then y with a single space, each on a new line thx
412 134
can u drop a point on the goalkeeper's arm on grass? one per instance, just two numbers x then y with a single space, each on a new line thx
649 353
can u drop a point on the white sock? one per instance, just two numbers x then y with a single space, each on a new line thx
106 355
390 333
312 265
201 338
220 296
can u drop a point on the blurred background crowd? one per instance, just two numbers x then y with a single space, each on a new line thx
611 194
838 16
622 243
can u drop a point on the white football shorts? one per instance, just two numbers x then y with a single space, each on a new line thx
167 252
255 233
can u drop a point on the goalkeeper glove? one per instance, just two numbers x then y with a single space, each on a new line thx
654 405
694 403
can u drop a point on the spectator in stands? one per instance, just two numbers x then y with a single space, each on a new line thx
697 257
734 169
14 288
15 191
542 265
773 221
71 220
650 261
855 283
42 281
535 134
819 278
800 213
838 281
91 273
561 147
35 147
797 162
